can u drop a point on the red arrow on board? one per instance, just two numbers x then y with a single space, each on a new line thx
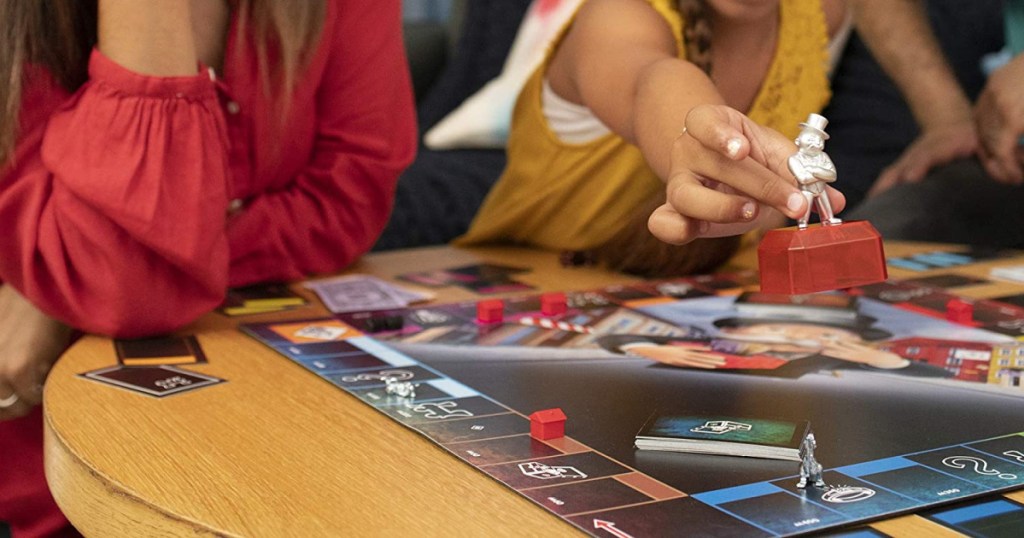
609 527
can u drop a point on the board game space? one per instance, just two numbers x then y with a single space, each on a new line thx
912 413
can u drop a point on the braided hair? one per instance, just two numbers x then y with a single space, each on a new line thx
697 32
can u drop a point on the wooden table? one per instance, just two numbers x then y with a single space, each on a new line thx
275 451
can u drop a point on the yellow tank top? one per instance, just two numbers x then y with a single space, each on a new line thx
558 195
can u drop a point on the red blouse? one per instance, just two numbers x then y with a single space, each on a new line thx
115 211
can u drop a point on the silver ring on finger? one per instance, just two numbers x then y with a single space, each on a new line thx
9 401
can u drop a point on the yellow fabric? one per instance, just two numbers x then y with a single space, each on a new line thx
558 195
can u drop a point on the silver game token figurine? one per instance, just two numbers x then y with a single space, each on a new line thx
813 169
810 469
402 389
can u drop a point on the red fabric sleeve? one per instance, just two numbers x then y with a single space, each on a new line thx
113 210
336 208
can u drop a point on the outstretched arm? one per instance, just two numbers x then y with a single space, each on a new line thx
620 60
900 37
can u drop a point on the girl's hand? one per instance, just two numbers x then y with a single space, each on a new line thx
999 113
728 176
30 342
934 147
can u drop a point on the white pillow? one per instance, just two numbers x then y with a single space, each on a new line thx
483 119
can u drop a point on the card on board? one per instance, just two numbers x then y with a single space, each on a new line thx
723 435
362 293
483 278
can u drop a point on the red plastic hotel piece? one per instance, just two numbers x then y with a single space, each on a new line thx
960 311
821 258
490 311
547 424
553 304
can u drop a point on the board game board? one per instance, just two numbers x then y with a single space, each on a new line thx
946 424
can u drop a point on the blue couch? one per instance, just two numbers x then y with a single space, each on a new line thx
439 194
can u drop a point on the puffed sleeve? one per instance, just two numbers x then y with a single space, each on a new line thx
113 209
336 207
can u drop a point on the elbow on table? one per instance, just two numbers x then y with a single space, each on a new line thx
140 307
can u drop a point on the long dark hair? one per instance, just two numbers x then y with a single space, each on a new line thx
58 35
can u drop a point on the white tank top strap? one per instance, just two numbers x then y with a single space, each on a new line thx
570 122
576 124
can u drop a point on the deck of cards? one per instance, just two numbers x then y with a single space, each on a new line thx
260 299
148 366
726 436
360 293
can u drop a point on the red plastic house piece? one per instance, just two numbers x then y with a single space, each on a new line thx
821 258
490 311
959 311
547 424
553 304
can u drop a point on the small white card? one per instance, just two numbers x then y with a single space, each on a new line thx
1014 273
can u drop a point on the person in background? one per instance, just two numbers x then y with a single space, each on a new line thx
156 153
654 123
960 180
596 159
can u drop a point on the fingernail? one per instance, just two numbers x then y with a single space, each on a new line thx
795 201
749 209
732 147
702 228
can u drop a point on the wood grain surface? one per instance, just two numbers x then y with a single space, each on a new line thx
276 451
